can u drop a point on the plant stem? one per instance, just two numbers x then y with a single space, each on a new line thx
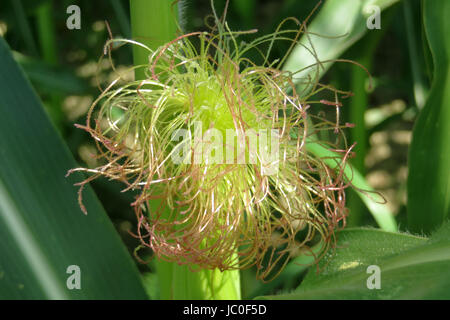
153 24
205 284
49 53
46 31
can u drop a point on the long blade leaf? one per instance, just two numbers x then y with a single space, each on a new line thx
42 229
429 157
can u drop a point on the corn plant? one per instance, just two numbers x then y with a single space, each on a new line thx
210 228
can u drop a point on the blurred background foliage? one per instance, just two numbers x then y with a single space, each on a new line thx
63 67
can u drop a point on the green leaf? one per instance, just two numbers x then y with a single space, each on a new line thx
42 228
410 267
429 157
337 26
51 79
